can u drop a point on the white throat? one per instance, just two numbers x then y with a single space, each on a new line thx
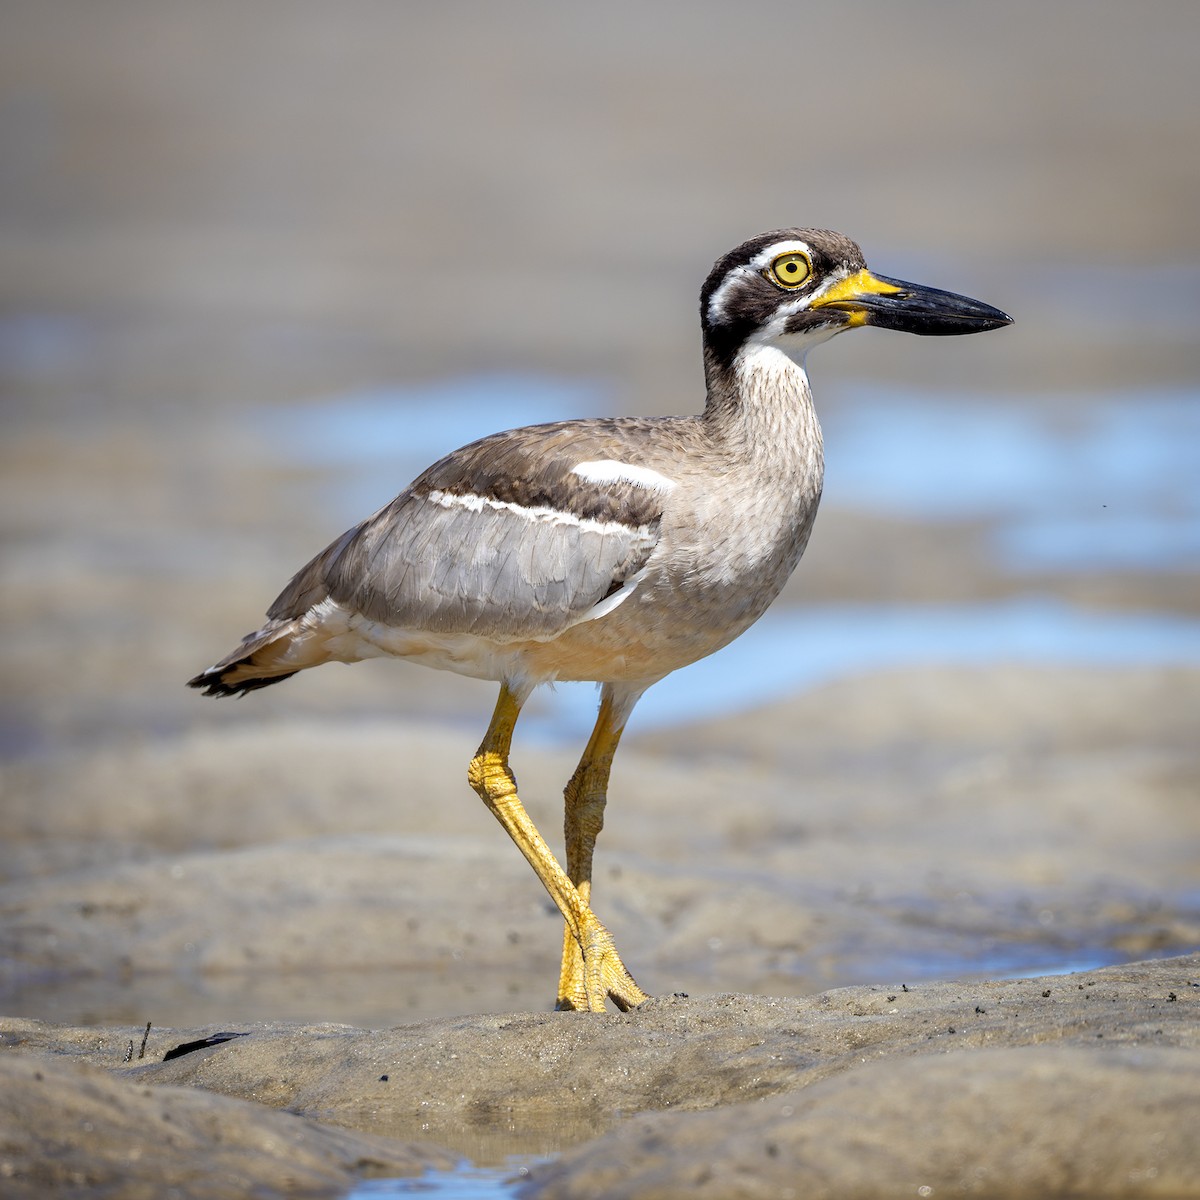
775 410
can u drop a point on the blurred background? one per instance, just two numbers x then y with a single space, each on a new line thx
260 262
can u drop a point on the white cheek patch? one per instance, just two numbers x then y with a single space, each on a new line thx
609 470
783 314
716 302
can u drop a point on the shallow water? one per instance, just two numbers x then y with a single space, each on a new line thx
1110 483
791 649
465 1182
391 430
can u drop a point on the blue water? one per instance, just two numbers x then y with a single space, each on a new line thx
465 1182
1110 482
792 649
395 432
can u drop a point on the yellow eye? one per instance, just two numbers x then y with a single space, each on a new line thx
789 270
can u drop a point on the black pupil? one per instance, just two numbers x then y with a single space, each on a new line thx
790 268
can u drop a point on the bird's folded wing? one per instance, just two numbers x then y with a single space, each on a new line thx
503 539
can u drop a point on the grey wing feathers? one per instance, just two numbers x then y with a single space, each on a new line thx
486 571
498 539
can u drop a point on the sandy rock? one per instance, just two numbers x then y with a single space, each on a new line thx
67 1128
535 1082
1080 1120
281 907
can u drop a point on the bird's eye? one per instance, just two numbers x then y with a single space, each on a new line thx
789 270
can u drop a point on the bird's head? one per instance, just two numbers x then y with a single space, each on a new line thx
793 288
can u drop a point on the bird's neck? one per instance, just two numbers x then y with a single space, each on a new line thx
760 408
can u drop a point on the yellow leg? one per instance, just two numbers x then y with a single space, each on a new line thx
601 970
586 796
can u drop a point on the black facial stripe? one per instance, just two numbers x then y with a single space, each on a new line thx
828 251
749 301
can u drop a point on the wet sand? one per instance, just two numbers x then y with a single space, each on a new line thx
211 222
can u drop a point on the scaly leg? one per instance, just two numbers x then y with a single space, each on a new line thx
603 972
586 795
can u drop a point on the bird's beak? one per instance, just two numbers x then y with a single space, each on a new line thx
911 307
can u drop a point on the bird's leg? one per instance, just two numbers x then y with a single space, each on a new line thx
490 776
586 795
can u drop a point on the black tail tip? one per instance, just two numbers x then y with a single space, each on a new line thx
210 683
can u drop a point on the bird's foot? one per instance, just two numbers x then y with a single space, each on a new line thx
592 972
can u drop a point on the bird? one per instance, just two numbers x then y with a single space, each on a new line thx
606 549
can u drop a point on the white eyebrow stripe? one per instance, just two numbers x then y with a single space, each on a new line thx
609 470
767 255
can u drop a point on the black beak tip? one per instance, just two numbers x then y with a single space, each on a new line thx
932 312
998 320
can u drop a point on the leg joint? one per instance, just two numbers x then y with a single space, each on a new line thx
490 777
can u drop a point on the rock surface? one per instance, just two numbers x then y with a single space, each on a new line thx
1033 1121
1052 1085
928 820
67 1128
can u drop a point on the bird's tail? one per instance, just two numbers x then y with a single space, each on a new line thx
269 655
304 629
